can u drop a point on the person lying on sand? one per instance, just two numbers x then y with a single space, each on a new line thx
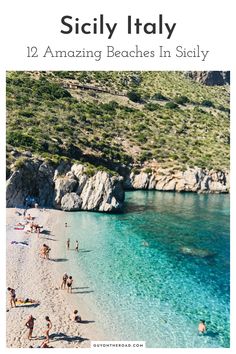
30 325
64 281
26 301
12 297
76 317
69 284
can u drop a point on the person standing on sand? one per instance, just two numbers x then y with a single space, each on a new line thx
30 325
77 246
48 328
65 224
69 284
64 281
12 299
68 244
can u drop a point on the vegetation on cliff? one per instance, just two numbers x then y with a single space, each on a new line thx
112 119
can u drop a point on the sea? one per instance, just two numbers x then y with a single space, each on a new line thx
154 271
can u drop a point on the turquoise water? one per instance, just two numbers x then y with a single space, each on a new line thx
157 293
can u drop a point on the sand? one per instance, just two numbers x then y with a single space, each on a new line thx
34 277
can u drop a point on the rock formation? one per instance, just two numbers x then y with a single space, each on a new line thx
73 191
191 180
34 178
71 188
100 192
210 78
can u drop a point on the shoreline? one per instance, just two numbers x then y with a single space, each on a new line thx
40 279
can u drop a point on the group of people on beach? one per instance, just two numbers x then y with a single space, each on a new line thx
67 282
76 245
30 325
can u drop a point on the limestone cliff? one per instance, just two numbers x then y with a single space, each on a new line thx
70 187
191 180
74 190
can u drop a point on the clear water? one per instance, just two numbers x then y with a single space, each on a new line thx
157 293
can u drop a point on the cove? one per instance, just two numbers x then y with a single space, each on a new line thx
157 269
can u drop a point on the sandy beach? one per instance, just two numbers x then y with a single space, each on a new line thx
39 279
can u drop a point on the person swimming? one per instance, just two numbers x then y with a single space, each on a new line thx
202 327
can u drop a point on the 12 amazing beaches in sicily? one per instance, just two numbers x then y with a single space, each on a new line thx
118 208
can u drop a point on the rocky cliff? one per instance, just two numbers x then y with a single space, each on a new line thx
191 180
69 187
210 78
65 187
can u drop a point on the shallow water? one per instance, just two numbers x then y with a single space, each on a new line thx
158 292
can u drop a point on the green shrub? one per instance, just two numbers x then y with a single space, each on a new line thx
207 103
224 109
171 105
27 114
136 171
152 106
20 163
181 100
111 106
90 171
145 155
147 170
17 138
134 96
159 97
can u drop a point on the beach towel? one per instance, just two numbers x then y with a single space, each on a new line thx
19 227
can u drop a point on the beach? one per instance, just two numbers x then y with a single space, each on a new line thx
40 279
123 290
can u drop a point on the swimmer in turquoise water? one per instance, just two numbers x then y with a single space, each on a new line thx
202 327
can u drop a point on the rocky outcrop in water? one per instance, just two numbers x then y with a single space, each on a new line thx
191 180
197 252
67 188
210 78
